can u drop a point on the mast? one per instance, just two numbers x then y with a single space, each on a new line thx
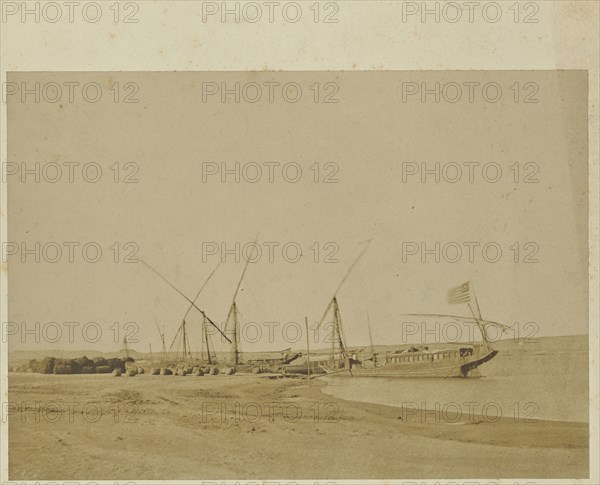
202 342
338 348
162 338
233 311
307 351
125 347
185 343
338 328
190 349
336 311
343 281
205 338
200 291
371 341
175 340
333 338
234 314
184 296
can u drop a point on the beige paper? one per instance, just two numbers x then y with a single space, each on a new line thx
361 193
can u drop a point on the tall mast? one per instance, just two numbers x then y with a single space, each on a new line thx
233 312
176 340
202 342
185 338
343 281
162 338
333 303
125 347
234 315
337 318
200 290
205 333
307 351
333 337
371 339
190 349
183 295
184 341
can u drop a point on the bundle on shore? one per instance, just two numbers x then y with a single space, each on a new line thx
117 363
80 365
46 366
63 369
83 362
261 369
178 371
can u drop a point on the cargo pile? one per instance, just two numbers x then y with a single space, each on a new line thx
81 365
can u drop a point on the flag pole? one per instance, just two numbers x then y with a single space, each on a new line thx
478 318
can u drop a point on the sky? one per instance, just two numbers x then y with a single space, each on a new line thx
357 157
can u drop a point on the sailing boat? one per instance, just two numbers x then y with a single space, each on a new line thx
232 322
187 352
338 358
182 330
463 361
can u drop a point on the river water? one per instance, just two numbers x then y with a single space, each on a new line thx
519 385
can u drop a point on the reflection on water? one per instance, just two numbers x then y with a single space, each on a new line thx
515 385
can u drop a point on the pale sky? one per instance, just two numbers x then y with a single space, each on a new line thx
173 215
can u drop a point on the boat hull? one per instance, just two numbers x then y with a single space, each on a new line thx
423 365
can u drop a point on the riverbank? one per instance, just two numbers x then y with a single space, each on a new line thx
79 427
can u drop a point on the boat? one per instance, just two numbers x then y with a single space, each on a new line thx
280 357
181 336
457 361
460 362
274 362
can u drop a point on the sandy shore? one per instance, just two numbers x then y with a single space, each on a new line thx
78 427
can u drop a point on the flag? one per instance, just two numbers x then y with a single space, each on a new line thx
460 294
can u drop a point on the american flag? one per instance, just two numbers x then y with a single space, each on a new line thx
460 294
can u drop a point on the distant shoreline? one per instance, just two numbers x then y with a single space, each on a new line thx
62 352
